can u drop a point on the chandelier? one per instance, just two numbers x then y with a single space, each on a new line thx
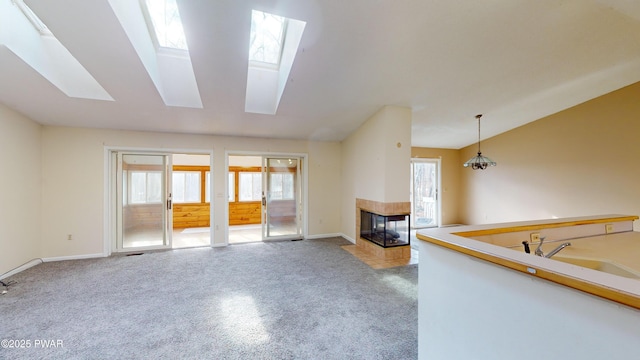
479 161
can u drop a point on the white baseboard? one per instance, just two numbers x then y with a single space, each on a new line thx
353 241
322 236
35 262
21 268
73 257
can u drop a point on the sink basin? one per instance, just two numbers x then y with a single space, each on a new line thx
600 265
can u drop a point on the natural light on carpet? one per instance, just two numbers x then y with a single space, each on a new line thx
403 286
242 320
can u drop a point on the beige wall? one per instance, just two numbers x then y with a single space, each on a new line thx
449 179
374 167
325 190
73 188
581 161
396 138
20 211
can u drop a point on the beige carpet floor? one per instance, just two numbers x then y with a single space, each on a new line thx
305 299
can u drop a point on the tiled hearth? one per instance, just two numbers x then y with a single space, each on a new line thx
374 255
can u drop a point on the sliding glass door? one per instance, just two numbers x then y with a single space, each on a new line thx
425 202
281 198
143 201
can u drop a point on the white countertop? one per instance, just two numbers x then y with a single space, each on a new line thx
622 248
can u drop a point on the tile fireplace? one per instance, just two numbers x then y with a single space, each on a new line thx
391 221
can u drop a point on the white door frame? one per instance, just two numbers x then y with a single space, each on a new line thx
167 223
305 183
109 221
266 181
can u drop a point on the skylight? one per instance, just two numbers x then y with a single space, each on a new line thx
162 48
25 35
267 37
167 24
273 46
33 18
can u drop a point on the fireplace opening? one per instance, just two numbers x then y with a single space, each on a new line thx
384 230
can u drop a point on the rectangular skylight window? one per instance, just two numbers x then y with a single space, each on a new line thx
273 47
167 24
267 37
25 35
33 18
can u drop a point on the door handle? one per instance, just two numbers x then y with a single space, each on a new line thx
264 201
169 204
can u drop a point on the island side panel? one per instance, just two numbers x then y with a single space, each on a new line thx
473 309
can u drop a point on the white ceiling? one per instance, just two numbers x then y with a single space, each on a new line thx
515 61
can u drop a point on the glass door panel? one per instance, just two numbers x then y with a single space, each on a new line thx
281 198
144 204
424 193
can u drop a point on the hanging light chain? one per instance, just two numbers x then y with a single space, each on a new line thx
478 117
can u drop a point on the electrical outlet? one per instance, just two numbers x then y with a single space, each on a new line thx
534 237
608 228
69 237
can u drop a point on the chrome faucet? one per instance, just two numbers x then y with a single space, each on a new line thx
552 252
539 248
557 250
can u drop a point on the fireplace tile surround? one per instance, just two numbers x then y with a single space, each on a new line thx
382 208
373 254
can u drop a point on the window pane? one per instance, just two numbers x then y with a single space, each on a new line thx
287 187
245 186
276 187
232 187
192 187
178 187
138 187
186 186
266 37
257 186
167 23
154 187
250 186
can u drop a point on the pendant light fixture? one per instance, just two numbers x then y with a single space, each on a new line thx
479 161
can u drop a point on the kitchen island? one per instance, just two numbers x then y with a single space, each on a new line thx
482 297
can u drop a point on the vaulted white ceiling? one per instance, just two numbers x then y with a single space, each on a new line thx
514 61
